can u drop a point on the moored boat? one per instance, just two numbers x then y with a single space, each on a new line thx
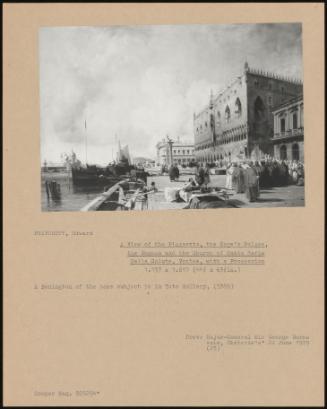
94 175
105 176
127 194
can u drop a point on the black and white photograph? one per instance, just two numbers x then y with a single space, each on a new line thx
171 117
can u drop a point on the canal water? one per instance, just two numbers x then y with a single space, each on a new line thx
72 198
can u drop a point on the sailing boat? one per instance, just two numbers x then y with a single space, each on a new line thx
91 174
124 164
103 176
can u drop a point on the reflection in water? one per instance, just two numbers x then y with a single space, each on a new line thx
53 191
86 189
59 194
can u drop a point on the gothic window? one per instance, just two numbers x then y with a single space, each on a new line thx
295 151
227 114
283 90
238 108
259 109
283 152
256 84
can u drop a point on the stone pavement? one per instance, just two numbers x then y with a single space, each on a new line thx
285 196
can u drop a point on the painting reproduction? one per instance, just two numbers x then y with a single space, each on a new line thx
165 117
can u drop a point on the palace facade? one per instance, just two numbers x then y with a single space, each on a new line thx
182 152
288 137
238 123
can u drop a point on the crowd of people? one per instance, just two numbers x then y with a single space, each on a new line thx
248 177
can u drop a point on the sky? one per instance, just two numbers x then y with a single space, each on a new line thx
137 84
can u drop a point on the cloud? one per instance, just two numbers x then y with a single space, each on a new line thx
140 83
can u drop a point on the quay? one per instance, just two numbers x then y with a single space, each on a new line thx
279 196
284 196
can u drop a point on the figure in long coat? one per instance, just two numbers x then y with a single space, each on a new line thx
295 174
199 175
173 173
264 177
238 179
283 170
206 175
251 179
229 176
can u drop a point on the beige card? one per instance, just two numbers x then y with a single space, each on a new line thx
219 306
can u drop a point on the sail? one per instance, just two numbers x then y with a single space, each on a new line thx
119 154
123 154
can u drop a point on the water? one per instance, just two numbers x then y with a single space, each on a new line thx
72 198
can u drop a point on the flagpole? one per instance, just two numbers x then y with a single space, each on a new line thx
114 147
85 144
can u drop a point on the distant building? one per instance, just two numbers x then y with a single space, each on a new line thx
182 151
288 137
145 162
238 122
53 167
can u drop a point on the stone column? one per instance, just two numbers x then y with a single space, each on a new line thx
276 151
287 121
288 150
170 153
299 119
301 151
